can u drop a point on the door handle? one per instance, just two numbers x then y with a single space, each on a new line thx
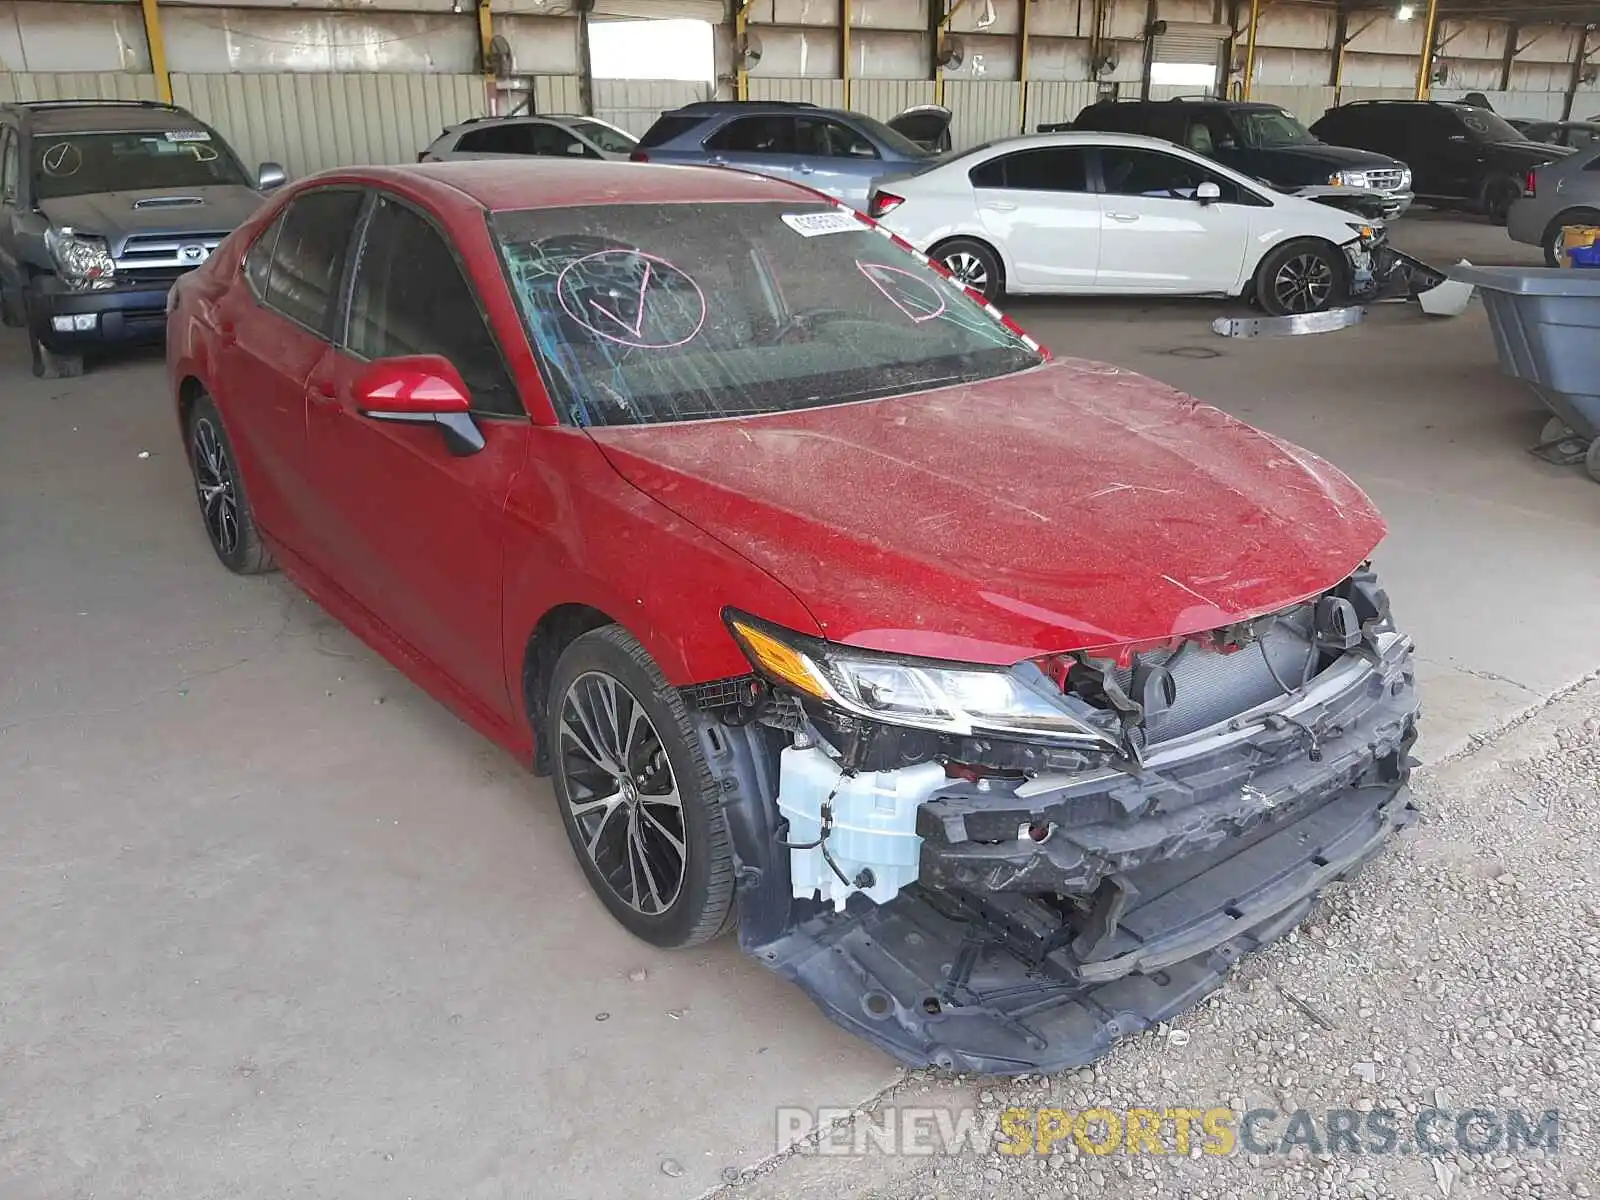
227 333
325 390
1001 206
803 169
716 160
1125 218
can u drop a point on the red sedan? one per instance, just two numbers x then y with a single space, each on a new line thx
999 702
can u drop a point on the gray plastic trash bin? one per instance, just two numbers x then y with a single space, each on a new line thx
1546 325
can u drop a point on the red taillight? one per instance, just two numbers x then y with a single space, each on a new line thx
883 202
639 156
1528 188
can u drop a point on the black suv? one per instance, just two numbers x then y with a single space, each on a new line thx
1460 155
103 203
1259 140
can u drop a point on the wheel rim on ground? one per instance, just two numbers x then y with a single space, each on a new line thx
968 269
213 477
1303 283
621 793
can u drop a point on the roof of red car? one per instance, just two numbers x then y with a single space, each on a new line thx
500 184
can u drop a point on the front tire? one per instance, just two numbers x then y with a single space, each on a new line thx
1300 277
47 364
639 803
224 505
973 264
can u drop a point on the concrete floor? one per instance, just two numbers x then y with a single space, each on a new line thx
279 925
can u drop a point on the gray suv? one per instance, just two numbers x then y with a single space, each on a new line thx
829 149
103 204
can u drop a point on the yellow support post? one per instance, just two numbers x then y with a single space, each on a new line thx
158 49
741 23
1022 64
485 39
844 48
1250 50
1425 62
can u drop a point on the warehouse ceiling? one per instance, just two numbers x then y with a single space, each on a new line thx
1524 12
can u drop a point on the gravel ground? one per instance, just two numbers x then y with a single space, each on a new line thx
1460 970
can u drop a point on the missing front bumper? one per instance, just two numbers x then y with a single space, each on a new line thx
936 988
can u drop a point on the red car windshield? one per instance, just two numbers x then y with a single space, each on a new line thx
642 314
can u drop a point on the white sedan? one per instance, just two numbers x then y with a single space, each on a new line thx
1105 213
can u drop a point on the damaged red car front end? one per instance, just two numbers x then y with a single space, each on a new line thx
1101 695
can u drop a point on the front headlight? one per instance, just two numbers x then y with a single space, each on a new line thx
84 262
921 693
1405 180
1349 179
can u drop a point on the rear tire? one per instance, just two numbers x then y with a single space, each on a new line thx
225 510
1552 232
1499 194
639 803
1300 277
974 264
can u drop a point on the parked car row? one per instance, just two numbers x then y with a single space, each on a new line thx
109 202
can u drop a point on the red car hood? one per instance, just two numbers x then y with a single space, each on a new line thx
1068 507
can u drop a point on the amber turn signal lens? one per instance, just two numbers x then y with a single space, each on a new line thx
778 662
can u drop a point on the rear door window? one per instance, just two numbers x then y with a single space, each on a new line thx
1047 169
770 133
667 128
308 256
409 296
496 139
258 261
824 138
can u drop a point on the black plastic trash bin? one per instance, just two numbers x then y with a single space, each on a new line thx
1546 325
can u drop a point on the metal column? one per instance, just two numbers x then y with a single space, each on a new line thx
158 48
1250 49
1425 63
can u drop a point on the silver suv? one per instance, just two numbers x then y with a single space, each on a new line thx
557 135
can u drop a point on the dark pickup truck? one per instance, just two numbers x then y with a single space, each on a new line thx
103 204
1259 140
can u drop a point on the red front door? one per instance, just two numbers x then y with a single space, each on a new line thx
412 532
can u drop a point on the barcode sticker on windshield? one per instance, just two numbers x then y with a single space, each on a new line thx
817 224
188 135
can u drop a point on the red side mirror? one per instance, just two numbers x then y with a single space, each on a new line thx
421 389
416 385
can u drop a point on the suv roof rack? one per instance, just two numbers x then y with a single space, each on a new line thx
41 105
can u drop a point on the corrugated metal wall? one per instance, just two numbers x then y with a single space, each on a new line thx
982 111
1051 102
556 94
1308 103
825 93
108 85
886 98
309 122
634 104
